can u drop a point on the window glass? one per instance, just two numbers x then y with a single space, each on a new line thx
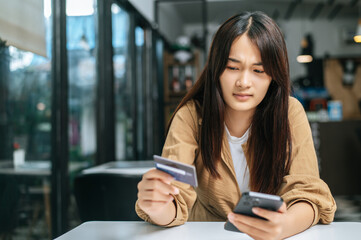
123 85
81 45
140 93
25 140
82 74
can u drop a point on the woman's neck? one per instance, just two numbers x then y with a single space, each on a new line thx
237 122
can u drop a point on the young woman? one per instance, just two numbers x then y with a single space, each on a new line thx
243 132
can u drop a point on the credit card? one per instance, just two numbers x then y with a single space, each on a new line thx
180 171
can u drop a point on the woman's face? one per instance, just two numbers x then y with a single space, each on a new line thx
244 82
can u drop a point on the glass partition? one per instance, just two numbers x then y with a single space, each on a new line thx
123 84
82 71
141 85
81 45
137 80
25 142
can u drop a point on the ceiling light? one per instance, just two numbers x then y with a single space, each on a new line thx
357 37
304 58
306 53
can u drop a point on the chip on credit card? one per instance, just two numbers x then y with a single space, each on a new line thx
180 171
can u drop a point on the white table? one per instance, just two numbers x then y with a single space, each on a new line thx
197 230
133 168
39 168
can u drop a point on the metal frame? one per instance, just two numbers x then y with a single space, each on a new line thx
149 94
158 86
133 77
105 91
59 119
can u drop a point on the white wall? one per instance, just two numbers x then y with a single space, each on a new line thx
170 25
145 7
197 29
327 37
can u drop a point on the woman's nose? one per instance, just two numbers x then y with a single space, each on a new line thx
243 80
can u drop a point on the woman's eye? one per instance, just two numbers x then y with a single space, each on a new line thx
232 68
258 71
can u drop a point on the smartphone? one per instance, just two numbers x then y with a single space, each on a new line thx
254 199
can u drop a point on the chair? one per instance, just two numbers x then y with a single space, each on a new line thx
106 196
9 196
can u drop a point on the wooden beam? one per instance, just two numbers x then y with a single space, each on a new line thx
335 10
317 10
291 8
353 3
330 2
275 14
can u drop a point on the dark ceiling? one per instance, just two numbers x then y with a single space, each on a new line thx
218 11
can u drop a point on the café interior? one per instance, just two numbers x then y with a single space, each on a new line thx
87 88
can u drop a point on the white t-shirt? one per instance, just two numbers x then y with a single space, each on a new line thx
239 160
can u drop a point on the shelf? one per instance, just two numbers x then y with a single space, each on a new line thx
180 94
178 79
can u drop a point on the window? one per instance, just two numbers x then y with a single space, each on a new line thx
25 142
81 45
123 84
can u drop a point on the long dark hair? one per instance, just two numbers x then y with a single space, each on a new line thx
269 143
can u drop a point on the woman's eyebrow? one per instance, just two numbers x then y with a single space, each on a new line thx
238 61
233 60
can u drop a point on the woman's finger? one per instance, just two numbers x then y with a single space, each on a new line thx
243 224
270 215
154 196
157 185
151 206
157 174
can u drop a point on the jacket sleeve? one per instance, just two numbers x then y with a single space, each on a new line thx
303 182
180 145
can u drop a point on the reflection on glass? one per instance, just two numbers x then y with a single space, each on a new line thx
81 45
25 140
122 84
141 84
82 80
28 103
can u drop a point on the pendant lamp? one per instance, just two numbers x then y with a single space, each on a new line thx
306 53
357 37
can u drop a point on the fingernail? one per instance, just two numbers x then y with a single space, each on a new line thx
230 216
255 210
176 191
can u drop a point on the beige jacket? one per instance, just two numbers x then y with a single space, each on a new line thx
214 198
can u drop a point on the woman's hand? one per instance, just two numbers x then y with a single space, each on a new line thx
154 196
259 228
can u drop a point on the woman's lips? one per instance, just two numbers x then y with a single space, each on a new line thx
242 96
